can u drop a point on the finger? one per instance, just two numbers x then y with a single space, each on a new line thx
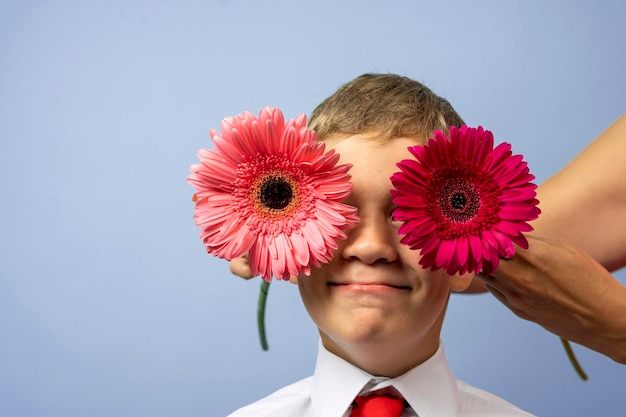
499 296
498 288
241 268
496 293
510 301
491 279
485 277
511 272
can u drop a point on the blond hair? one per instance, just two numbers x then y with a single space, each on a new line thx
385 105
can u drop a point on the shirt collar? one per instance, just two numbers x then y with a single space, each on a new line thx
430 388
336 383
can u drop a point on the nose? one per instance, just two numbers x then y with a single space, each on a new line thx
373 240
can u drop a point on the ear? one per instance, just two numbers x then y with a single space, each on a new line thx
459 283
293 279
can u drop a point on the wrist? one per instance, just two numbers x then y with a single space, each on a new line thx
611 339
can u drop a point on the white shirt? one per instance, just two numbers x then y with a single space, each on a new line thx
430 389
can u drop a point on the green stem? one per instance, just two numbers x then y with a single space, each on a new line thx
265 286
573 360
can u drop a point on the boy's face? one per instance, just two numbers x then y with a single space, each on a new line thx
374 298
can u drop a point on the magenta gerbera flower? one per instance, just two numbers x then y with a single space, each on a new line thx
269 190
464 203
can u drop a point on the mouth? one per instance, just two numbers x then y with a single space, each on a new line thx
368 287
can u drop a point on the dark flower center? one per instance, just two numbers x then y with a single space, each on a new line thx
275 193
459 200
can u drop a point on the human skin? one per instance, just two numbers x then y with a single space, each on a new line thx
585 202
566 291
562 281
373 303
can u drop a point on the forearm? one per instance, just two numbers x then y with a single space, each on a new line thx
585 203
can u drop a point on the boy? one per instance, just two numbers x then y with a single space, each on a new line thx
379 314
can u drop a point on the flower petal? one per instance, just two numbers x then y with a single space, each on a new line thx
282 237
462 201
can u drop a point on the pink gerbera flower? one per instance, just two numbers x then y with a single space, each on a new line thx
463 202
268 190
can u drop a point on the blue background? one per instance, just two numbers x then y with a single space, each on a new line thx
109 304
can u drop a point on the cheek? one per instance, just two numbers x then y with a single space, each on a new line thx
411 260
410 257
430 286
312 292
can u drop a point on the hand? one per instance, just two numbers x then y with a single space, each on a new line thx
560 287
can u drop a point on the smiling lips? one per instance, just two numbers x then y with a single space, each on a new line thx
367 287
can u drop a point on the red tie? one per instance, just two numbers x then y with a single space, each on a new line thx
377 406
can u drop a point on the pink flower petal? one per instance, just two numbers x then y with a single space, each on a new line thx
281 237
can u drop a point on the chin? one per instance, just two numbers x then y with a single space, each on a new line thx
363 327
